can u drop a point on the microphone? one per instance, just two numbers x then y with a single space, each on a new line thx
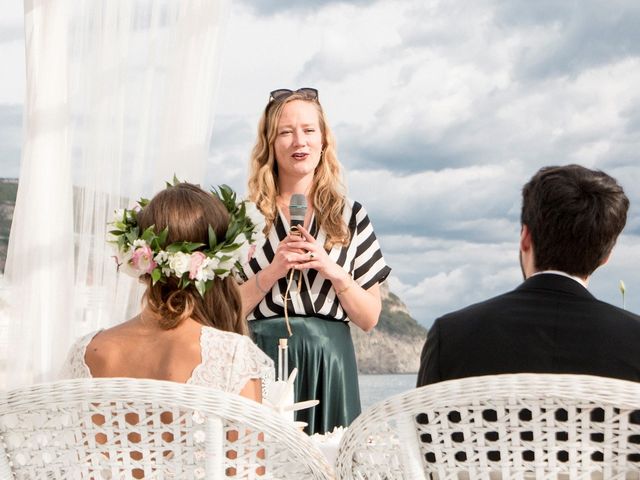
297 211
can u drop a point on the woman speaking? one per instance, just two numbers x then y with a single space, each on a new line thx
314 279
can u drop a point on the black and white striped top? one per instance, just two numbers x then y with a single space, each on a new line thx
362 258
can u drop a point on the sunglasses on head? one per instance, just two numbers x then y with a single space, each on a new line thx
282 93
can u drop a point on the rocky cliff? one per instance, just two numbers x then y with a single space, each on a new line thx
394 345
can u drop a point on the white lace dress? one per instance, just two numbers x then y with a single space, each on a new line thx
229 361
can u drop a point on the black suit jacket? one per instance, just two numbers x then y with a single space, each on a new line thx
549 324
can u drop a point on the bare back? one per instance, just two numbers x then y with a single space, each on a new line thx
140 349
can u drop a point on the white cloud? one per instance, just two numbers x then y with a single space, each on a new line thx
450 275
12 81
476 201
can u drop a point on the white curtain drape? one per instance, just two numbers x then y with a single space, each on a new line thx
120 97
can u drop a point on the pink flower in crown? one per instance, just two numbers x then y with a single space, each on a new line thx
142 258
197 259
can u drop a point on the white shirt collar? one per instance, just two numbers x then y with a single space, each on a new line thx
584 283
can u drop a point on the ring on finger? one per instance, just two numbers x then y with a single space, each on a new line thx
311 255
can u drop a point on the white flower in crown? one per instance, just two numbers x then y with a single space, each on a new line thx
179 262
258 221
256 217
123 259
118 215
206 271
162 259
225 264
245 250
200 267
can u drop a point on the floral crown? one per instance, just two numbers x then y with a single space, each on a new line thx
141 253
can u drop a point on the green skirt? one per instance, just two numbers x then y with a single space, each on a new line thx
322 351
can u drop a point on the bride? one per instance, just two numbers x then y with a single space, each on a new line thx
184 244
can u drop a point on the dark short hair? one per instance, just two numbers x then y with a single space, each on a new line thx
574 215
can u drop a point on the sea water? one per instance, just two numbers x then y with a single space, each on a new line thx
374 388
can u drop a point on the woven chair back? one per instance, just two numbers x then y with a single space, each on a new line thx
130 428
520 426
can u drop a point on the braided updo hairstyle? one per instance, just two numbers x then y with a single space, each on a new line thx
187 211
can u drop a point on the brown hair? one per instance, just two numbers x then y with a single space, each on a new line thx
327 191
575 216
187 211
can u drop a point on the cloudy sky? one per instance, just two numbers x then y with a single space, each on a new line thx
442 111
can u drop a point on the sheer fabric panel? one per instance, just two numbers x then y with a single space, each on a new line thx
120 97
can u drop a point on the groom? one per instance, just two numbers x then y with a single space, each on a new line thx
571 217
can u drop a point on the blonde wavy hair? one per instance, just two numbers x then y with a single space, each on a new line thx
327 191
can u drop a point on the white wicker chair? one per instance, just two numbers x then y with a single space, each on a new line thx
521 426
126 428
